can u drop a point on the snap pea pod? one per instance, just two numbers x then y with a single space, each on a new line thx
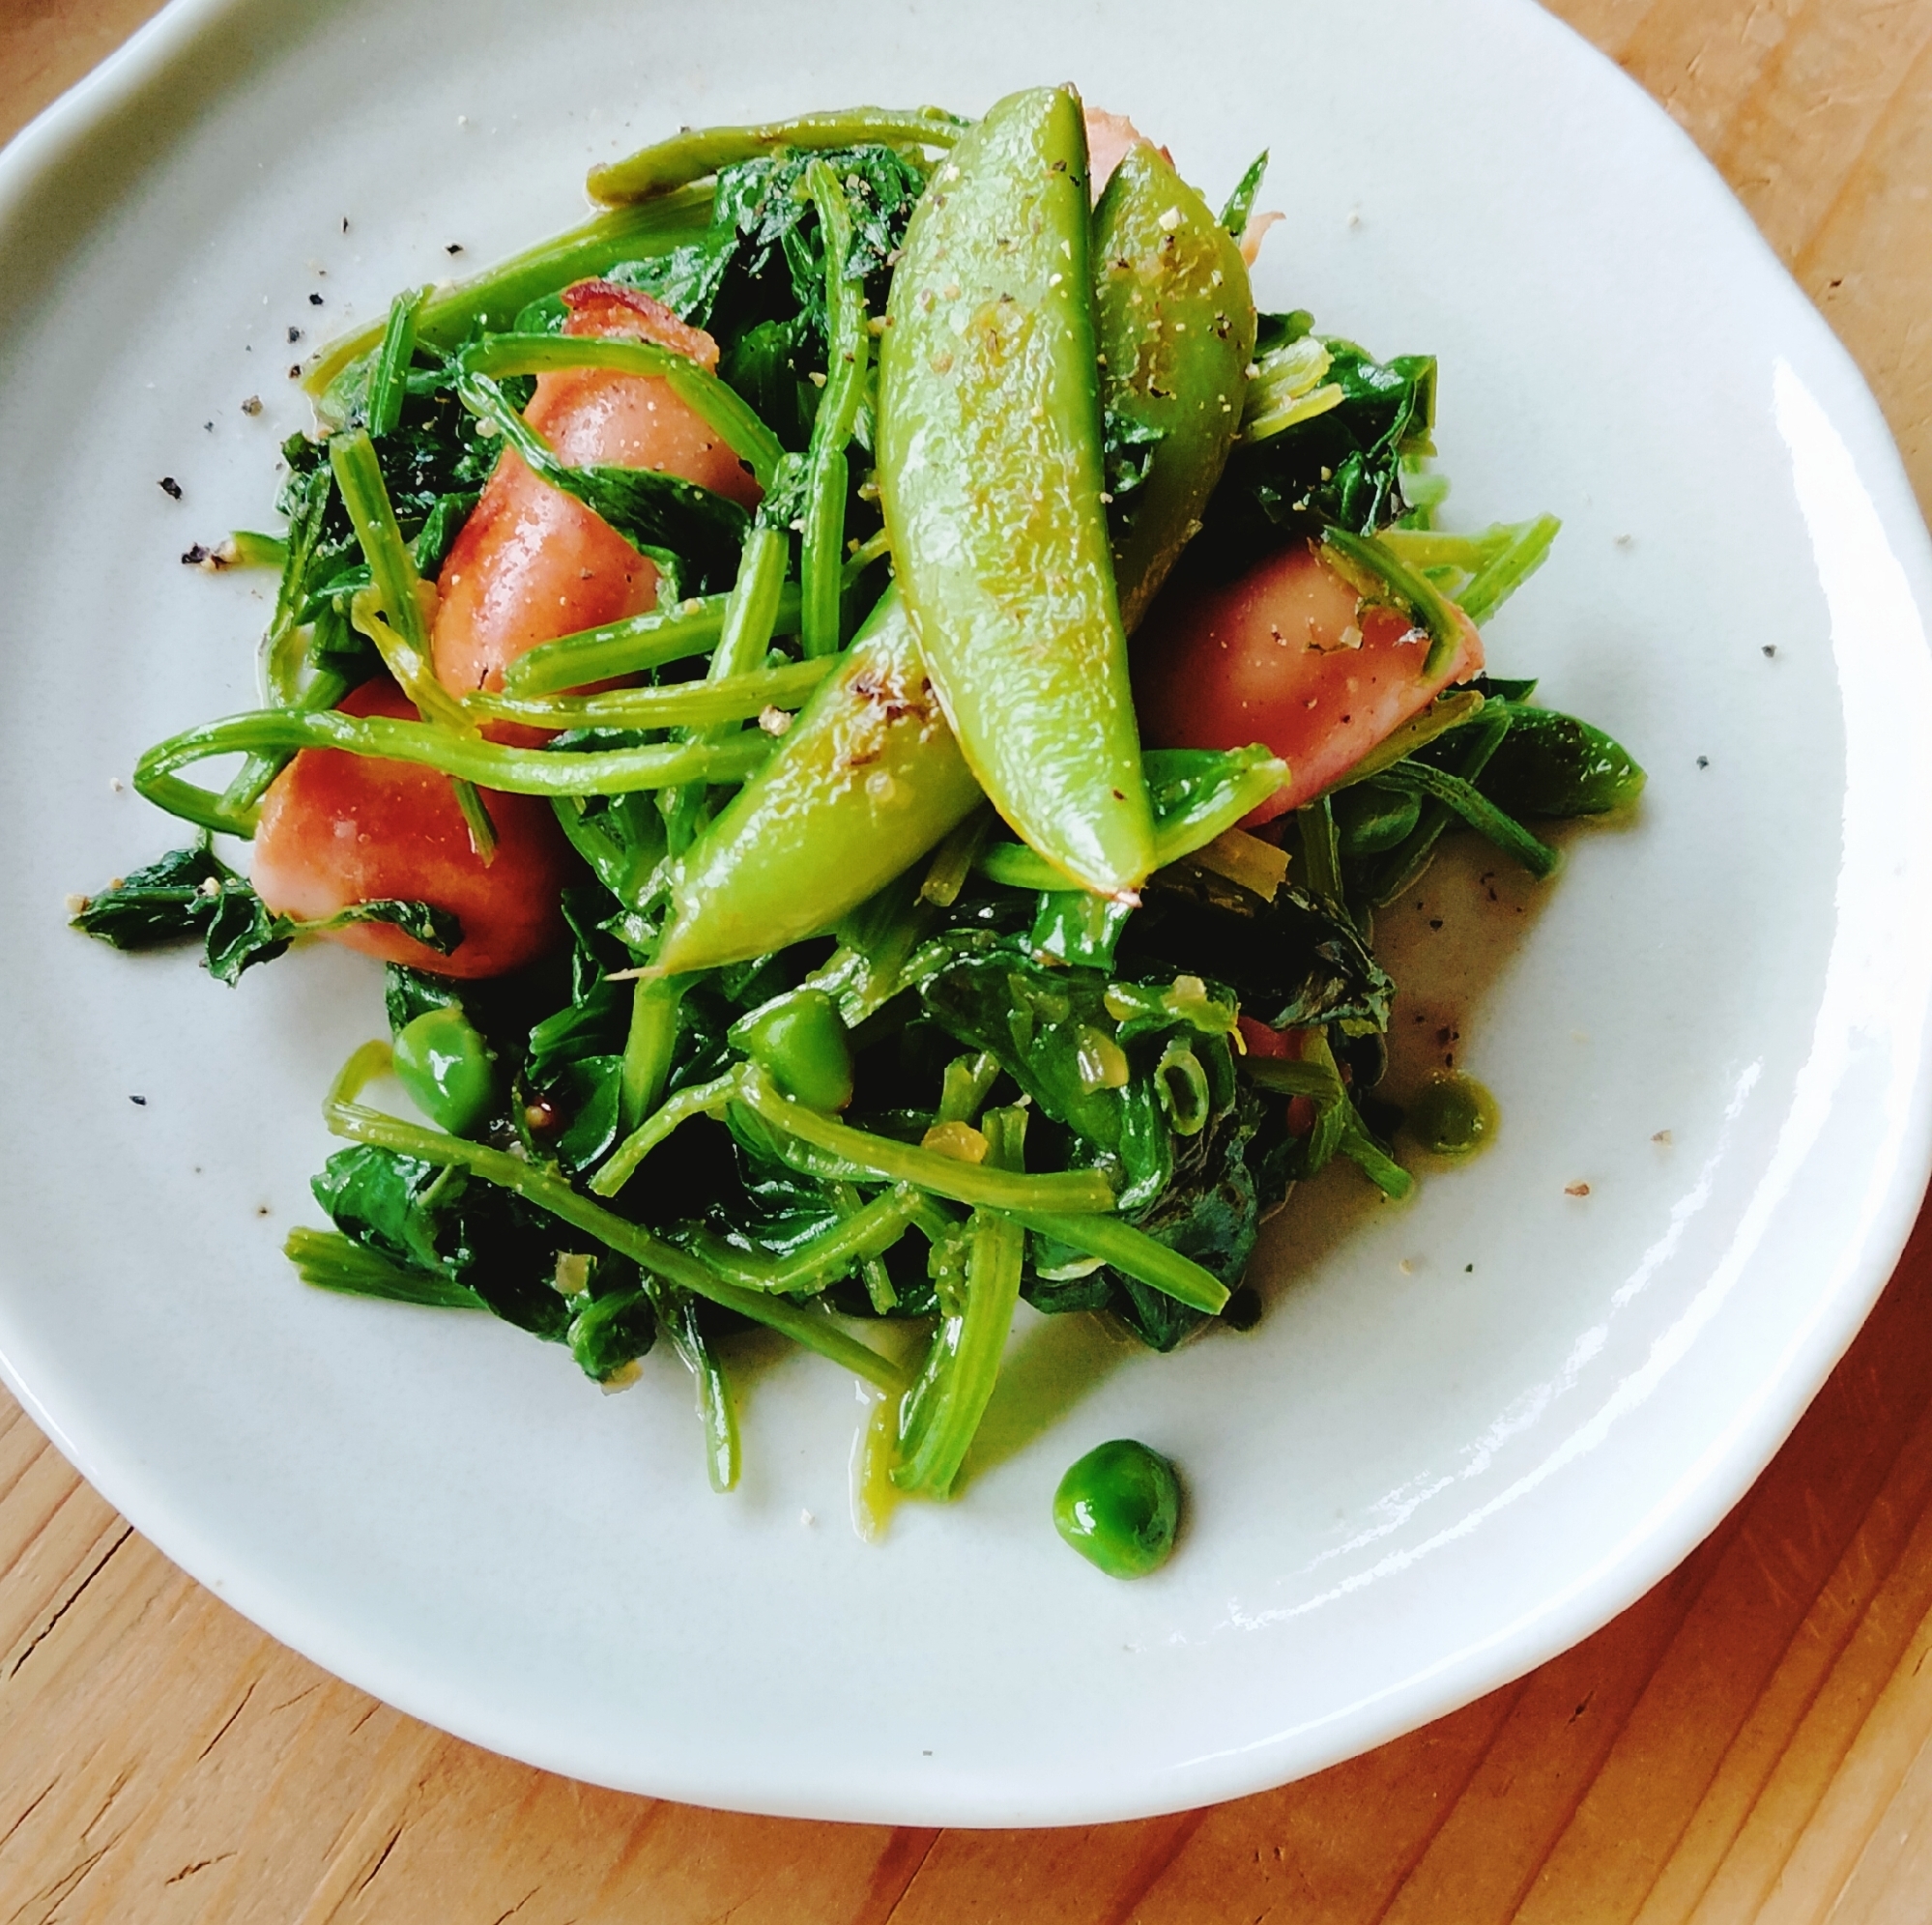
989 475
1176 326
804 842
667 165
867 779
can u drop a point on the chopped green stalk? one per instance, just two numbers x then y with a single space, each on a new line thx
668 164
1500 579
1375 571
1479 811
400 635
655 1018
975 1184
250 782
1338 1128
1449 710
1492 565
490 765
1289 388
700 1099
952 861
873 548
1321 851
944 1410
872 1269
1409 859
969 1081
1134 1254
673 634
848 351
398 630
751 610
346 1117
716 1410
450 317
821 603
1257 866
867 1232
751 613
388 377
676 704
333 1262
246 548
718 406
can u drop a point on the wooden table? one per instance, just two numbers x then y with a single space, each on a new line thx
1747 1742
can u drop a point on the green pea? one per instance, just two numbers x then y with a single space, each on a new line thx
1454 1115
1119 1508
450 1072
801 1041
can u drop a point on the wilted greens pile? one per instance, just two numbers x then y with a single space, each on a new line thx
835 1040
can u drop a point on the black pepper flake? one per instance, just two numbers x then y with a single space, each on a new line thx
1703 762
170 486
1435 922
454 248
1468 1270
345 223
315 300
1770 650
139 1102
209 426
194 557
294 372
295 334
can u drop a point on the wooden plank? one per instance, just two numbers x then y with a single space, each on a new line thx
1749 1741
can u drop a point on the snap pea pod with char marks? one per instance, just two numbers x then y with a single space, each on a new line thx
870 777
865 782
990 476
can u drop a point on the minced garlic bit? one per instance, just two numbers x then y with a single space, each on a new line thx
622 1378
959 1140
1577 1189
572 1276
773 721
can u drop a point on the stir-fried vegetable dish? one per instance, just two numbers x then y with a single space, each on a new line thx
865 700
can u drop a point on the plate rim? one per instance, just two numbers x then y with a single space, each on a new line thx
59 133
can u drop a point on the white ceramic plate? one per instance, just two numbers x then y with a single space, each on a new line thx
1468 1431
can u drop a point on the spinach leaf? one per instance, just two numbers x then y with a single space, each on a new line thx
192 895
1552 764
1292 963
763 259
1340 467
441 1221
169 902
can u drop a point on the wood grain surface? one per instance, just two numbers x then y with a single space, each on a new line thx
1747 1742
